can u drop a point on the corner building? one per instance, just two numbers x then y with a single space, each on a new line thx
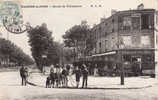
128 38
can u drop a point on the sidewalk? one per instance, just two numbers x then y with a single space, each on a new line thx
102 82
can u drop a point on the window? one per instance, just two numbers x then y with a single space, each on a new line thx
127 58
106 45
127 40
127 23
99 29
99 44
105 34
157 19
120 22
145 40
157 39
112 30
135 23
99 47
145 21
147 58
112 20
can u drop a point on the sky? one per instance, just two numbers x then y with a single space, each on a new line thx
59 20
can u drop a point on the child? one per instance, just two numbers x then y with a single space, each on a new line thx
48 82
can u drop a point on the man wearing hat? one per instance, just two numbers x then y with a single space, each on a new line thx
85 76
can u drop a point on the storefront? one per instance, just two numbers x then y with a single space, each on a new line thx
138 61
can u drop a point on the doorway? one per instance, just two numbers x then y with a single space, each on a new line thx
137 65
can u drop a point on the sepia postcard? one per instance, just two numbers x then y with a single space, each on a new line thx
78 49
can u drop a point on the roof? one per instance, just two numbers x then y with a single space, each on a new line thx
125 11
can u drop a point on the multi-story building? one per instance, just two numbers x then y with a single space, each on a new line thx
128 37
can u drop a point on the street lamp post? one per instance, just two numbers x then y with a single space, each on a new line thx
122 74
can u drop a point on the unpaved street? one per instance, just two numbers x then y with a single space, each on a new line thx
10 89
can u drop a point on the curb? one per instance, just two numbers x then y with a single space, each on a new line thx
90 88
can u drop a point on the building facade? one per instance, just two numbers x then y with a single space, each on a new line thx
127 37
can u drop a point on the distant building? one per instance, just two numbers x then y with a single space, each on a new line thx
127 36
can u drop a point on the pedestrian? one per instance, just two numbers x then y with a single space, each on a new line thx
26 74
85 77
64 77
52 76
22 75
58 75
68 67
95 70
77 72
52 69
48 82
134 68
57 67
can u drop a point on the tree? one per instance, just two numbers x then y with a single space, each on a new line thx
10 53
75 34
76 37
41 42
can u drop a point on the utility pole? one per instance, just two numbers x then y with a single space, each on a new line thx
121 63
122 70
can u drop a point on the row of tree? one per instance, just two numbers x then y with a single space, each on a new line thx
10 54
45 50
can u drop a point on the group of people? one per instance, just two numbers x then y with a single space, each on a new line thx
81 71
58 76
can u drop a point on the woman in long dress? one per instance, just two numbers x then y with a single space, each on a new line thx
95 70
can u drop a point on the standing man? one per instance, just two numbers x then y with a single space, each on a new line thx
58 71
26 74
64 77
52 75
77 75
85 76
22 75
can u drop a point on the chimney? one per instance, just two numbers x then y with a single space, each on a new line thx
140 7
83 22
102 19
113 11
94 25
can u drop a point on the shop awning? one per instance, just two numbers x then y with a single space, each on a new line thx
103 54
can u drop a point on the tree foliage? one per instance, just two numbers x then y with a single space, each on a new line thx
78 37
74 34
54 52
41 42
9 50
